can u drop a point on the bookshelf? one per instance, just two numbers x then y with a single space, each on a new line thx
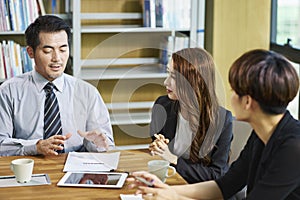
15 16
113 51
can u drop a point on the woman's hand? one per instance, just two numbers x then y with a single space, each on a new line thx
160 147
159 141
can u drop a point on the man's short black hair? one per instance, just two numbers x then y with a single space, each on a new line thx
48 24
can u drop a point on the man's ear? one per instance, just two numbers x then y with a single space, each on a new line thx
248 101
30 51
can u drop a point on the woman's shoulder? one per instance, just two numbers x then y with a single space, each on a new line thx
163 100
226 113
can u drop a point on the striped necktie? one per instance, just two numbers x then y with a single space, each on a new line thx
52 122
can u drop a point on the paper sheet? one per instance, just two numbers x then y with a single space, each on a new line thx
85 161
36 179
131 197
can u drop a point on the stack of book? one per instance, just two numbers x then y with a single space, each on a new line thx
173 14
170 45
16 15
14 60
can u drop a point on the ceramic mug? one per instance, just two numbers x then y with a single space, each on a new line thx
22 169
160 168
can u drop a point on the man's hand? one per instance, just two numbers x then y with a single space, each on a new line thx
99 139
52 144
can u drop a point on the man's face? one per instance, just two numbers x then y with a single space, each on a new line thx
238 105
51 55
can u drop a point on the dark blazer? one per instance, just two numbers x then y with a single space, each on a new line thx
164 121
270 171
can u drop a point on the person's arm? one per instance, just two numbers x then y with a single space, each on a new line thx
204 190
52 145
10 146
159 191
196 172
158 117
237 176
98 119
16 147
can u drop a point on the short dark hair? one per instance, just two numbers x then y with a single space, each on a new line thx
48 24
267 77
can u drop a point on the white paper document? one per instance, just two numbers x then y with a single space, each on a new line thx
131 197
84 161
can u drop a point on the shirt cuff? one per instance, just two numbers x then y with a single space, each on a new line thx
30 148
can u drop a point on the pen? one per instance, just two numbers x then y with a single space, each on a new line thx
148 183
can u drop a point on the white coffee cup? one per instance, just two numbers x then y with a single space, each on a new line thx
22 169
160 168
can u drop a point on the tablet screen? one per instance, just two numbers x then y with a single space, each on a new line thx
93 179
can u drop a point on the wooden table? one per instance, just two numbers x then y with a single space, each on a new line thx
130 160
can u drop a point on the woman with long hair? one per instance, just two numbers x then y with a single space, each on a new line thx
189 127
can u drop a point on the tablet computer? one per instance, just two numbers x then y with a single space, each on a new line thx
93 179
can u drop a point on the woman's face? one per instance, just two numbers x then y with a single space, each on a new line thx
170 82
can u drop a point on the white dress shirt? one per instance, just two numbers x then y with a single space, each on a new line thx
22 113
183 138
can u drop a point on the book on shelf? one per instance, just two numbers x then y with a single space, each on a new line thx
27 62
180 42
2 67
41 7
12 15
169 45
6 16
14 60
4 22
19 66
166 50
6 59
33 11
16 15
55 6
14 64
149 13
173 14
20 14
182 14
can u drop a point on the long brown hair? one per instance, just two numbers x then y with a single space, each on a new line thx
195 86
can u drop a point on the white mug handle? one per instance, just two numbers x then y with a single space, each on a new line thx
12 167
173 171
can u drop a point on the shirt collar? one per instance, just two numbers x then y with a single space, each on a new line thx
40 81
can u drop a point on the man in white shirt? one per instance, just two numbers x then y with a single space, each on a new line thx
84 119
